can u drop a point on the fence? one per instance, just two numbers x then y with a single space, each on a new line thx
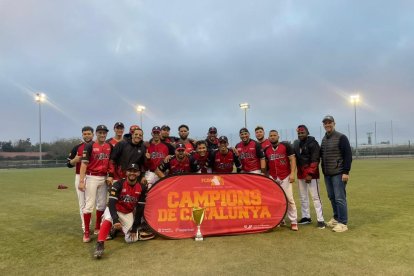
23 164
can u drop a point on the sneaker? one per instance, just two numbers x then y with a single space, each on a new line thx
86 237
99 250
305 221
321 224
332 223
294 227
340 228
143 235
96 231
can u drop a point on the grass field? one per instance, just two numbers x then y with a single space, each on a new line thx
40 233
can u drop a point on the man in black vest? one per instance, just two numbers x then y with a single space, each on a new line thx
336 159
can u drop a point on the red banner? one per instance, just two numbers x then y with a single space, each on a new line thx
234 204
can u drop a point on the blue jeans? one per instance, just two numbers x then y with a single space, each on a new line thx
335 188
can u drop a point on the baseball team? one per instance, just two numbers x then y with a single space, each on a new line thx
126 167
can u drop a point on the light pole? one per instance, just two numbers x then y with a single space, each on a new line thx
355 101
245 106
140 109
40 98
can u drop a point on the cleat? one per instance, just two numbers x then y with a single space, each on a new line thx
112 234
294 227
332 223
305 221
340 228
99 250
321 224
143 235
86 237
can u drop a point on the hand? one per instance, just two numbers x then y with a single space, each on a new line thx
76 160
144 181
109 180
167 158
82 185
291 178
147 155
133 235
118 226
236 152
308 178
345 178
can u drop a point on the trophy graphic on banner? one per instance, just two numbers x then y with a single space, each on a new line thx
198 216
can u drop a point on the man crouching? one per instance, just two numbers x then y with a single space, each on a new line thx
125 195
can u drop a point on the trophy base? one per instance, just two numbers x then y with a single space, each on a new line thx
199 239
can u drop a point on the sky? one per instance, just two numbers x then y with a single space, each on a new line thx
194 62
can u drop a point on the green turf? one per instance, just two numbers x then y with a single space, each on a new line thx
40 233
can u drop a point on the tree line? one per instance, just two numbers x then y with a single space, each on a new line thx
58 149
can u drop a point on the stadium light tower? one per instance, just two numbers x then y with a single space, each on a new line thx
141 110
245 106
355 100
40 98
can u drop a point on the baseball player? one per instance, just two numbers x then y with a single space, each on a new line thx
212 141
178 164
251 154
119 132
224 159
307 157
156 152
93 172
281 162
183 131
202 155
126 152
165 136
74 159
260 137
125 195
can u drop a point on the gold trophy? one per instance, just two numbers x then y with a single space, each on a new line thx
198 216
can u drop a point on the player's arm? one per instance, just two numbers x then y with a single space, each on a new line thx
260 154
346 152
194 165
114 193
139 209
73 157
162 168
236 161
84 165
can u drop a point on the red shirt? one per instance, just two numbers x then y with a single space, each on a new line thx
97 157
157 153
278 160
112 141
223 163
266 143
203 161
250 155
127 196
175 166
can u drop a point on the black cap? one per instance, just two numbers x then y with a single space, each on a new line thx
156 129
328 118
133 166
119 124
223 139
180 146
212 129
101 127
165 127
243 130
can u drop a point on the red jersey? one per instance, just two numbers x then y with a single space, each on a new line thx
278 160
224 163
203 161
126 196
250 155
157 154
97 157
266 143
112 141
175 166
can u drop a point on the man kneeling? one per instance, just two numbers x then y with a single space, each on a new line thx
125 195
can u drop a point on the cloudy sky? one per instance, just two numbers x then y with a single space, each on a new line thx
194 62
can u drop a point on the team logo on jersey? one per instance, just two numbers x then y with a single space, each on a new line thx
213 181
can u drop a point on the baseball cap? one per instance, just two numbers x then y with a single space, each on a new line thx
328 118
302 128
101 127
119 124
156 129
223 139
243 130
212 130
133 166
133 128
165 127
180 146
